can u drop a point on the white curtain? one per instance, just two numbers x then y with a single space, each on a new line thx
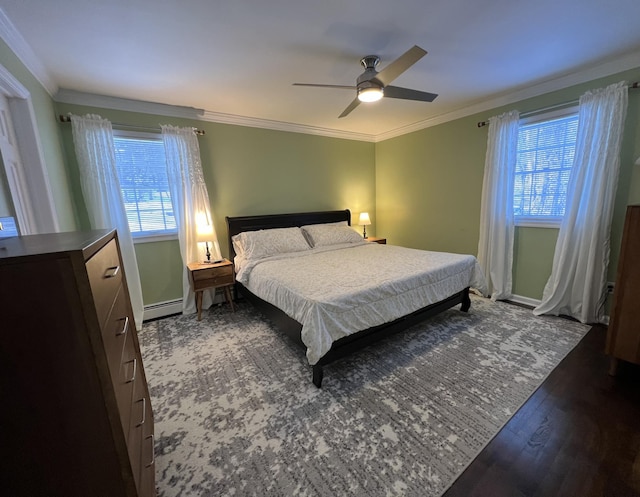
577 283
495 247
191 206
93 140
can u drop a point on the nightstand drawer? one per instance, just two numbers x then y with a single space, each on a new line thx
212 277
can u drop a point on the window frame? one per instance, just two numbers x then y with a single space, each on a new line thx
543 221
145 236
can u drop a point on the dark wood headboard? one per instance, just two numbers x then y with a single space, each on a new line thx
237 225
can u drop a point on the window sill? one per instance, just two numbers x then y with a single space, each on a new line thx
154 238
537 223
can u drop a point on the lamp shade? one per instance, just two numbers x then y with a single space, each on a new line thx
204 229
204 234
364 219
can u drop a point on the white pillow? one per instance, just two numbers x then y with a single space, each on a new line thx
308 237
321 235
238 246
265 243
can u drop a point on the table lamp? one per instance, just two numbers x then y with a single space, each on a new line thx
364 221
204 234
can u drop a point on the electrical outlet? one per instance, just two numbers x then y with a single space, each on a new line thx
610 286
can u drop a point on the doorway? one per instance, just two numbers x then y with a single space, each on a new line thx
25 194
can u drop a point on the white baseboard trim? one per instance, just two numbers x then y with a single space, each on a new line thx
520 299
162 309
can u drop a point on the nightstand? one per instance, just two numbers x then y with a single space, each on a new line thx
375 239
204 276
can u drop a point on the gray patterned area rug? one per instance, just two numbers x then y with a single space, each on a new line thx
237 415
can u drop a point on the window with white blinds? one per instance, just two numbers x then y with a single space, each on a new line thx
546 149
142 172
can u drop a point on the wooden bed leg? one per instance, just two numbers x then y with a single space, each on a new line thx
317 375
466 301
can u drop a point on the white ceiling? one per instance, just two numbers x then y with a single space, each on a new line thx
240 57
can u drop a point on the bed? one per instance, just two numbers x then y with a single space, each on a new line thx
360 291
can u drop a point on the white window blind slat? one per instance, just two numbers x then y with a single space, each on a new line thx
142 172
545 156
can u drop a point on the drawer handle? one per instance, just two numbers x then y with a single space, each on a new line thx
125 327
153 455
111 272
144 411
133 376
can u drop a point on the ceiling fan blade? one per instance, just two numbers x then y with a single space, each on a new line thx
340 87
400 65
407 94
351 106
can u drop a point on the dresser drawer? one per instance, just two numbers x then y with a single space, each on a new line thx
114 334
140 429
212 277
141 405
147 470
105 276
128 373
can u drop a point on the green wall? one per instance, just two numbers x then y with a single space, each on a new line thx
429 186
247 171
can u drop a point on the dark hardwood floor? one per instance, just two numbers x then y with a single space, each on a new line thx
578 435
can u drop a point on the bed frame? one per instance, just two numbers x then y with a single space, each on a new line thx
291 327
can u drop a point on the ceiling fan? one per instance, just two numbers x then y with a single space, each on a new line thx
372 85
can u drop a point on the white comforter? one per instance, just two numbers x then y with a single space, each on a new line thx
336 291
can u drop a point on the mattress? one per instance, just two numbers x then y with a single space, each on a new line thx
339 290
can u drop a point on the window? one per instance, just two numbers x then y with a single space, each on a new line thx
545 155
142 172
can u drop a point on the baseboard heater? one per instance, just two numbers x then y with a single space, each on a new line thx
170 307
162 309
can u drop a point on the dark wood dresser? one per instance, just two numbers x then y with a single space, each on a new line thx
623 336
75 416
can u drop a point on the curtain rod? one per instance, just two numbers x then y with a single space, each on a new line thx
481 124
67 119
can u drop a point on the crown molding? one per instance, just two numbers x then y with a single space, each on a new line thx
623 63
116 103
125 104
15 41
253 122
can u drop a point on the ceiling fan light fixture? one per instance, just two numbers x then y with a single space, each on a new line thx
370 94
